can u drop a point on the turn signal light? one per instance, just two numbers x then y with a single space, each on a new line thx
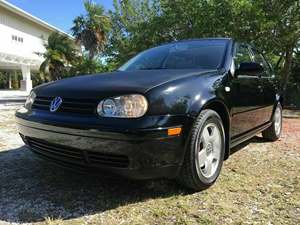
174 131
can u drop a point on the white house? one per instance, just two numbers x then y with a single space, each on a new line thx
22 38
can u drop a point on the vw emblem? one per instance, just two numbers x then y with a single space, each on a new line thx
56 102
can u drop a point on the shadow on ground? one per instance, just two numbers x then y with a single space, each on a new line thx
33 189
255 139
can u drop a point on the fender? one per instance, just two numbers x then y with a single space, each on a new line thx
220 107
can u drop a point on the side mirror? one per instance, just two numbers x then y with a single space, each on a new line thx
249 69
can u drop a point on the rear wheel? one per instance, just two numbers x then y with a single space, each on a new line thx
274 131
205 152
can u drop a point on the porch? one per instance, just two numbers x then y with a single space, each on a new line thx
12 64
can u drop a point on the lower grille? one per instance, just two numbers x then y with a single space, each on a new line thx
76 156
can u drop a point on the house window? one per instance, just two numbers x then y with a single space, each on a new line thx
17 39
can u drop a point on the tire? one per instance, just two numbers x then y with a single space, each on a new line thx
206 141
274 131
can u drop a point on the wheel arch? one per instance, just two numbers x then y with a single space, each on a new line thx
281 100
278 99
220 107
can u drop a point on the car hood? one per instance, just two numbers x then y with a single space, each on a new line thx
115 83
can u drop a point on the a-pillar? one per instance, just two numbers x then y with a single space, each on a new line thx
26 83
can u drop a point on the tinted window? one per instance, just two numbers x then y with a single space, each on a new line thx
204 54
242 55
258 58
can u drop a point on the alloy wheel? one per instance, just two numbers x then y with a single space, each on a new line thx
208 150
277 120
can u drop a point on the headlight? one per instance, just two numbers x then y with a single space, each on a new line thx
126 106
30 100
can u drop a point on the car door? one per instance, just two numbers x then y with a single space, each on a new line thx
268 84
246 95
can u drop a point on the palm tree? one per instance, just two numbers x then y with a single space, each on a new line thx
91 29
59 56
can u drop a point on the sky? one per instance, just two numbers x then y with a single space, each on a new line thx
59 13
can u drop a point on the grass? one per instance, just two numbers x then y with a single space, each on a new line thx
259 184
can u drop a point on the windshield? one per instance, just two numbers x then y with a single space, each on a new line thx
202 54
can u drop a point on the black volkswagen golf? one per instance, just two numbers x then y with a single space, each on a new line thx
172 111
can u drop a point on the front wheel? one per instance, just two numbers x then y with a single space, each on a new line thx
274 131
204 152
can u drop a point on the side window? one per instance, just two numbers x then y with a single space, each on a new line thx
259 58
242 55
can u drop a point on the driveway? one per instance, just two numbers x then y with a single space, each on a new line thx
11 98
259 184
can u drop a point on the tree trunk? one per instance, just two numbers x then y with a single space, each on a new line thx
278 62
285 73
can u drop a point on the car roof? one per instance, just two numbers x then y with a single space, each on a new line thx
197 39
204 39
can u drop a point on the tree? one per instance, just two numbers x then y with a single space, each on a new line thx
85 65
59 56
91 29
135 27
273 26
296 67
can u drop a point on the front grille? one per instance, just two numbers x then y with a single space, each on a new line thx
76 156
82 106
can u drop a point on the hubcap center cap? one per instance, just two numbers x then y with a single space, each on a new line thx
209 148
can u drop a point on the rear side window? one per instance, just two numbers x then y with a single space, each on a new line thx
242 55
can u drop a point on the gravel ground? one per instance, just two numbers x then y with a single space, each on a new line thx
259 184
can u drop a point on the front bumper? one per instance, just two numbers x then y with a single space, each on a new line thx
139 153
